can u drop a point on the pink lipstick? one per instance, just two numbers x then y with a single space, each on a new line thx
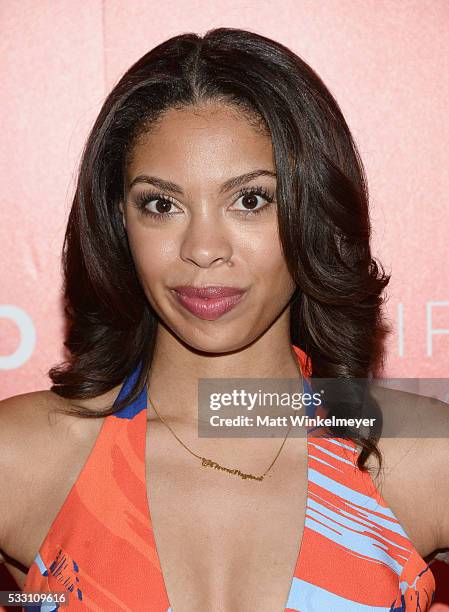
210 302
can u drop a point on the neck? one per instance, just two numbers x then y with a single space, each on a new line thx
176 369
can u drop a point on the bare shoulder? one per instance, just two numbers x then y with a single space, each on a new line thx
31 421
26 414
415 471
28 423
24 431
37 441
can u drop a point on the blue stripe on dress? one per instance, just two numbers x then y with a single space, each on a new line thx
305 596
139 404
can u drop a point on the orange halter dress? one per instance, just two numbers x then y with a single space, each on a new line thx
354 555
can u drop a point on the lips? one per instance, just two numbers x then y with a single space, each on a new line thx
211 291
208 303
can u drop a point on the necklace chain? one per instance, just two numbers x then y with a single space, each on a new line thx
213 464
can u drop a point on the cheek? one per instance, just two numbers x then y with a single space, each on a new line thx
152 256
266 259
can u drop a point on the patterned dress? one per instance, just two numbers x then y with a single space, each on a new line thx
354 555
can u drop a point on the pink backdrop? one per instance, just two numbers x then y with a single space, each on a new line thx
387 63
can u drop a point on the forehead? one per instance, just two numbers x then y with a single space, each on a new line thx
209 141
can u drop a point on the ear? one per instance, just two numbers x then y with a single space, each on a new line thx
121 207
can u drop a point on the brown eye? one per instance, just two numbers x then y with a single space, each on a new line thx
162 206
253 200
250 201
156 206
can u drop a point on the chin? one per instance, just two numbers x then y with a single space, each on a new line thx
219 342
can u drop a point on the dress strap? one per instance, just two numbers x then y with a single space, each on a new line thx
139 404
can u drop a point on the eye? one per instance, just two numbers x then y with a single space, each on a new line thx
252 199
155 205
161 207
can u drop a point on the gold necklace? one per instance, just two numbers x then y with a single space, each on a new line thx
213 464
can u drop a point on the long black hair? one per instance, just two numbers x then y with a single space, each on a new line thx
323 216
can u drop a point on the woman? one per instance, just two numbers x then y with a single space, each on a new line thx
220 229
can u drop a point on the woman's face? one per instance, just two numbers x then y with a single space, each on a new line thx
206 175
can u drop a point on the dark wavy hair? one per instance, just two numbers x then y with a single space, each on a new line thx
323 216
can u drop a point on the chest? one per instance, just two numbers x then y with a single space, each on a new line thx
220 538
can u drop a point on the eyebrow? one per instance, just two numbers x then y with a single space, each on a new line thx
226 186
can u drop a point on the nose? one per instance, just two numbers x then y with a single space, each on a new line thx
206 243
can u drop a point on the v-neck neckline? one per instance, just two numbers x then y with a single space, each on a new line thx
148 508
